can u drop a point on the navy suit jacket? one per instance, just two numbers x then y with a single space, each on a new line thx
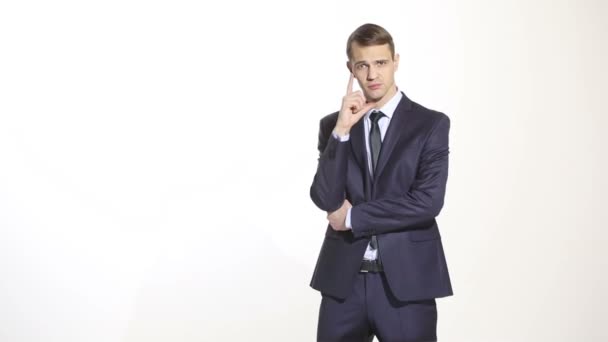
398 205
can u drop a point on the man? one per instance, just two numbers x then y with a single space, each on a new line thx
381 178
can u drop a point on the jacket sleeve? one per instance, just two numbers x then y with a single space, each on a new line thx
424 200
329 184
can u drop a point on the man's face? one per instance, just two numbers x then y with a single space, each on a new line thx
374 68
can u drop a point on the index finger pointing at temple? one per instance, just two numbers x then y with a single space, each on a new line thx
349 88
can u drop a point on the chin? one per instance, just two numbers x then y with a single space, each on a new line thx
376 96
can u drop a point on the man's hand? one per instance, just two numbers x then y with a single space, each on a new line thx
353 108
337 219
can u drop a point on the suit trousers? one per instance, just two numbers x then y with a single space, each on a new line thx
372 310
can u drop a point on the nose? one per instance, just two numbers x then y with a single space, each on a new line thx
372 73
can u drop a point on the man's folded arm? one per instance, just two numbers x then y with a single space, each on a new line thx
329 184
421 204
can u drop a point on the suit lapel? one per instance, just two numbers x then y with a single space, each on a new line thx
393 134
357 138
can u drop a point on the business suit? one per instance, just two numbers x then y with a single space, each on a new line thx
398 204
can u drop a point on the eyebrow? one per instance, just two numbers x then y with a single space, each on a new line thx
377 60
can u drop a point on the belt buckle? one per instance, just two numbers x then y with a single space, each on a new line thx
367 263
371 266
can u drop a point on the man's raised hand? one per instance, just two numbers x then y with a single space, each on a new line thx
353 108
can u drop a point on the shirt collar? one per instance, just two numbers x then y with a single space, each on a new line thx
389 108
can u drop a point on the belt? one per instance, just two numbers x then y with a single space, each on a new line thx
371 266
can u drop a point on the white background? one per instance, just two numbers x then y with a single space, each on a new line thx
156 157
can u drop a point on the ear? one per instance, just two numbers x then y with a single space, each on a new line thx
349 67
396 60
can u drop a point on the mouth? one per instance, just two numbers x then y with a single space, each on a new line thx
374 86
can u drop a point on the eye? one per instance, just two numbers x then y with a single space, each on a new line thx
361 66
381 62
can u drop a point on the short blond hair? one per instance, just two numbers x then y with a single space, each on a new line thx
369 35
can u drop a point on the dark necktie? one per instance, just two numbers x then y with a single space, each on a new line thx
375 142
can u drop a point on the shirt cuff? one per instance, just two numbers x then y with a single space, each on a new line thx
342 139
347 222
